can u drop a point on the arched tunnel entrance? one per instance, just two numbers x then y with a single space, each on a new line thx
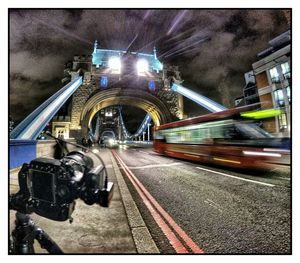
158 111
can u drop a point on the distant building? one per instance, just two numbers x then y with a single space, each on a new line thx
239 101
273 81
250 89
250 93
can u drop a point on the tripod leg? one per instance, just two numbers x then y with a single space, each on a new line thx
23 238
24 234
46 242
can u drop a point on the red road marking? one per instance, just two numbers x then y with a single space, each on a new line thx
174 241
150 200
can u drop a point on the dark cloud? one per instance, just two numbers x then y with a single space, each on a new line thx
28 94
213 48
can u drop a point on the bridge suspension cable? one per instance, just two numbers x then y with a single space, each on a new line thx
199 99
35 122
144 125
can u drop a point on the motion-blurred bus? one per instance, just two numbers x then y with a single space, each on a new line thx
224 138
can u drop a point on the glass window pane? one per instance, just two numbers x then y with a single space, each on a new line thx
279 97
285 67
274 75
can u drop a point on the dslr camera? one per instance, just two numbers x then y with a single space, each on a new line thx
49 187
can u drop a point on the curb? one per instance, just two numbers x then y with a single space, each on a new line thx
15 170
140 233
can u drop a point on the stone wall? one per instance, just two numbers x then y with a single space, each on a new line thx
91 85
46 148
78 102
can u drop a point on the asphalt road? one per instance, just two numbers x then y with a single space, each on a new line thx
222 211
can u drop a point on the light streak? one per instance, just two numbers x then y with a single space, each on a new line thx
176 21
276 150
263 114
262 154
226 160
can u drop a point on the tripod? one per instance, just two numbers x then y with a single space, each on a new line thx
26 232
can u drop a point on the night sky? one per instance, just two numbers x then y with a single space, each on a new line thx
213 48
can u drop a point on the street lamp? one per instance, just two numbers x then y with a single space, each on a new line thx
149 124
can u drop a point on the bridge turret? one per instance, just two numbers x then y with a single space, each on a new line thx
154 52
157 65
95 46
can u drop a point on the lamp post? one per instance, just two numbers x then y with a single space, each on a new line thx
149 124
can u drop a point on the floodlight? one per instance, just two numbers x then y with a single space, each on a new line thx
142 66
114 63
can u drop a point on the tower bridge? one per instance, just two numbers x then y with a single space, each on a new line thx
112 78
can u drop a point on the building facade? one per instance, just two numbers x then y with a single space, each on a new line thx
273 80
250 89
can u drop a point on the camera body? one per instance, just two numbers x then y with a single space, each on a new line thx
49 187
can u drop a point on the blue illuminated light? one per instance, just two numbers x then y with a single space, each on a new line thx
152 85
103 81
199 99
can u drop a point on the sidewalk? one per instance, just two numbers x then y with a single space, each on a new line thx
118 229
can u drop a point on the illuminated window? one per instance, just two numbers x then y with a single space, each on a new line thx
274 75
282 122
279 97
285 67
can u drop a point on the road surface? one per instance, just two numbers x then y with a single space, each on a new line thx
221 211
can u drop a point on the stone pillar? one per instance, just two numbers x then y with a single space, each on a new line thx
78 101
180 106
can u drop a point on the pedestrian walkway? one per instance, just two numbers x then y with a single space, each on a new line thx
118 229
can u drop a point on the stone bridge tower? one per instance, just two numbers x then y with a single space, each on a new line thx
114 77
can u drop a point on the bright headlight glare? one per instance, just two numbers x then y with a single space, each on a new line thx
142 65
114 63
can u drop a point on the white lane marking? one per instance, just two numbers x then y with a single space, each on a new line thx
143 152
153 166
236 177
283 178
213 204
150 153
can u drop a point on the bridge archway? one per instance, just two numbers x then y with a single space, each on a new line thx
108 132
158 111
